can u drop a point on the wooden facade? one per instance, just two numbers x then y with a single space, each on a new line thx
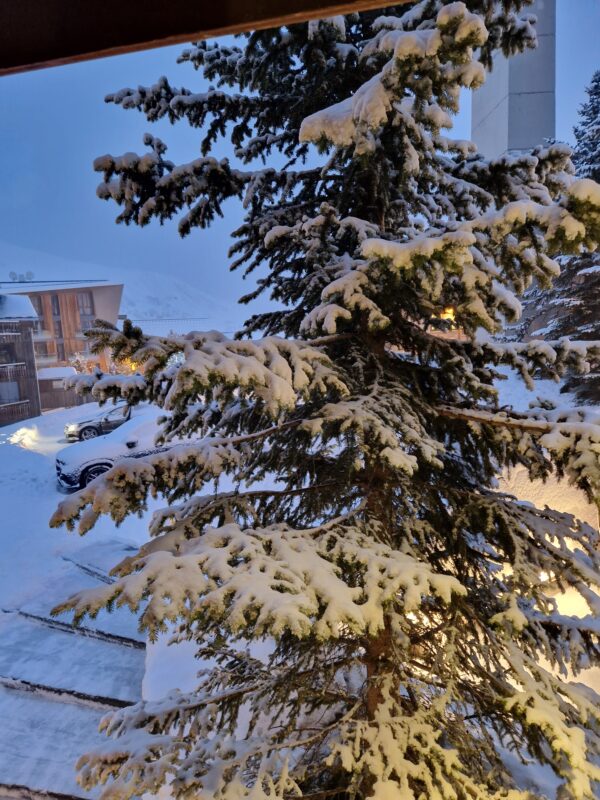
19 395
65 311
54 395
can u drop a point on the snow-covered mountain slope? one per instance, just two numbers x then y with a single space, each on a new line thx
163 302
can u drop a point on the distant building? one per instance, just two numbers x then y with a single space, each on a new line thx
515 109
65 310
19 394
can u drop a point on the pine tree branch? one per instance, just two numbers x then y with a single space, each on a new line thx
248 437
322 341
499 419
278 492
319 795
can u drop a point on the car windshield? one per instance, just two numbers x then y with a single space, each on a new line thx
116 414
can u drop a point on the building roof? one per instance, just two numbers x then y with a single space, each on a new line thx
30 287
16 307
53 373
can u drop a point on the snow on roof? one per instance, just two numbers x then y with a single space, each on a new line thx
16 308
29 287
47 373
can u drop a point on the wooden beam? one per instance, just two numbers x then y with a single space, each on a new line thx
44 33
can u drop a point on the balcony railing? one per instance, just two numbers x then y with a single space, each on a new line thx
13 412
46 361
9 332
42 335
11 372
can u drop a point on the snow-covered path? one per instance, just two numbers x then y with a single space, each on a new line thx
56 682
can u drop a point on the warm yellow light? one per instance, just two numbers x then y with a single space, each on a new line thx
127 366
448 313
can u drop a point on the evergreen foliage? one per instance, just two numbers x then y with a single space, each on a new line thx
587 134
571 307
377 620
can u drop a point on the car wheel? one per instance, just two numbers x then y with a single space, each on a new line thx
94 472
88 433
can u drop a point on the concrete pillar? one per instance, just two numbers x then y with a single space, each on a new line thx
515 110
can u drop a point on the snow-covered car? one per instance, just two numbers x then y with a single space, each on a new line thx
80 463
98 425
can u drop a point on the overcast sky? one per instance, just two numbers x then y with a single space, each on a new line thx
54 123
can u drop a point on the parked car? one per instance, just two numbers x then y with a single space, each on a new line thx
98 425
78 464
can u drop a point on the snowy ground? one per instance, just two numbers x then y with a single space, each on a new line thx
55 683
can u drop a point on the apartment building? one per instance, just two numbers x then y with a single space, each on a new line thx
19 394
65 311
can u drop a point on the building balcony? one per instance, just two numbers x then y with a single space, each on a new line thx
46 361
9 332
42 336
13 412
12 372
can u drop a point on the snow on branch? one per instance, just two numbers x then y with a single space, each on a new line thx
272 580
398 446
571 436
357 119
102 387
487 295
550 358
124 489
274 371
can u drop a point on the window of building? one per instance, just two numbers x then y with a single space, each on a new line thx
7 353
60 351
41 349
9 392
85 302
87 324
55 305
58 331
87 313
36 302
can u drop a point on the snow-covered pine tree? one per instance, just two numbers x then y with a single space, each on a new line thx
340 507
571 307
587 134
